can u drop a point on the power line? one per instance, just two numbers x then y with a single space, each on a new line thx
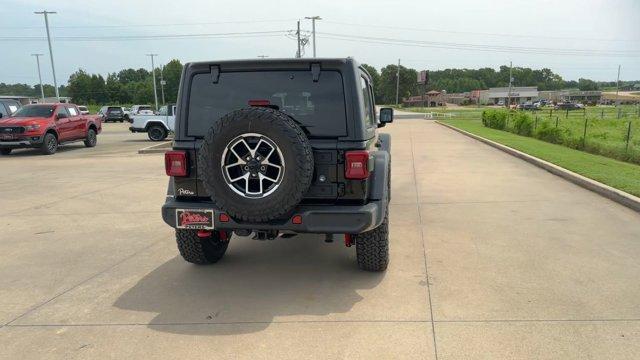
148 37
477 33
149 25
478 47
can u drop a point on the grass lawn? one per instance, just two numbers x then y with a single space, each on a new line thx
617 174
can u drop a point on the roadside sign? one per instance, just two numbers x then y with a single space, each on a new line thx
423 77
163 82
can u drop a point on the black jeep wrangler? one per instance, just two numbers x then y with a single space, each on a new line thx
273 148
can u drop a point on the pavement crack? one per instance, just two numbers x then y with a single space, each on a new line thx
424 251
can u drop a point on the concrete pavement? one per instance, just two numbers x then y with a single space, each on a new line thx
491 258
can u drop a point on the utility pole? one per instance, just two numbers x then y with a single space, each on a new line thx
53 67
153 72
162 83
618 88
510 80
398 83
298 54
39 75
313 30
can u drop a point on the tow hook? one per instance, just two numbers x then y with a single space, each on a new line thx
348 241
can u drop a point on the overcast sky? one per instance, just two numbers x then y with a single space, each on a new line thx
573 38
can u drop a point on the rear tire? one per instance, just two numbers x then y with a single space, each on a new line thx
201 251
49 144
156 133
91 139
372 247
5 151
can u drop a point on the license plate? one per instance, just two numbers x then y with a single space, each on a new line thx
194 219
6 137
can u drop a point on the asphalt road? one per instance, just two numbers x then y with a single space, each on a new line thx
491 258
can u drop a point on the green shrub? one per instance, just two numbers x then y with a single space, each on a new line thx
522 124
495 119
549 133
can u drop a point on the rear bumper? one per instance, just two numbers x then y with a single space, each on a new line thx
321 219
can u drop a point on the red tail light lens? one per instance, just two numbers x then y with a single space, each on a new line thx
175 163
259 102
356 165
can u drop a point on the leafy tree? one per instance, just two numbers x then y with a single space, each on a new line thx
586 84
171 74
387 88
80 87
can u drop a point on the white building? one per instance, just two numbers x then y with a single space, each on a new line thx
519 95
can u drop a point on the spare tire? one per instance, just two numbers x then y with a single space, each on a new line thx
256 164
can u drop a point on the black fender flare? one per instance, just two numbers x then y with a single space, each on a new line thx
380 175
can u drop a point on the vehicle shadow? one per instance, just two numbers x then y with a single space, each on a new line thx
37 152
302 278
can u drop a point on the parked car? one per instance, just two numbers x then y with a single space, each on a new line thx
526 106
83 110
501 103
45 126
112 113
138 110
299 154
568 106
8 107
158 126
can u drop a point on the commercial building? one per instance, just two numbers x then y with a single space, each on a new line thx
25 100
518 95
572 95
430 99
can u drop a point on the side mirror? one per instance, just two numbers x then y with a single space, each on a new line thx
386 116
61 116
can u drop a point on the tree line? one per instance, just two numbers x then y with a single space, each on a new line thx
135 86
463 80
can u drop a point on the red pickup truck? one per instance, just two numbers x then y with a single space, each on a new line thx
45 126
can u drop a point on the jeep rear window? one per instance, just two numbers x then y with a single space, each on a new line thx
318 106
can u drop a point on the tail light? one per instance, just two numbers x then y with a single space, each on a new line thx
175 163
259 102
356 165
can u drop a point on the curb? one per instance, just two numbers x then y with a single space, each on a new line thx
607 191
157 148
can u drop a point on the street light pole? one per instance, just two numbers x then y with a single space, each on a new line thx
398 83
313 30
39 75
510 80
162 84
53 67
153 72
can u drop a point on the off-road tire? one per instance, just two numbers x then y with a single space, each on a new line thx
201 251
49 144
5 151
91 139
297 157
156 133
372 247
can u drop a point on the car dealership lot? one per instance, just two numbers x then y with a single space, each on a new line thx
491 258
